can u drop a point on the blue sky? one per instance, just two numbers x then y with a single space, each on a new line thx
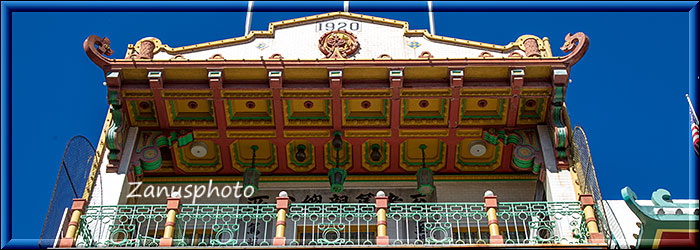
627 92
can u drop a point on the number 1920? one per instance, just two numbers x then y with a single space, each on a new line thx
339 25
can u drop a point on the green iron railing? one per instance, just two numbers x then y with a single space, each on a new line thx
541 222
437 223
331 224
310 224
121 226
467 223
225 225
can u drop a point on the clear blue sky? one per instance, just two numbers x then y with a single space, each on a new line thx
627 92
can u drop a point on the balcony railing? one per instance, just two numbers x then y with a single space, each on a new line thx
518 223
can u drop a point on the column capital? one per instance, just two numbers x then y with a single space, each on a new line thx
174 204
586 200
79 204
381 202
283 202
491 201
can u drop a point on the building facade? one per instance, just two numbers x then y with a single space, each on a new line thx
336 129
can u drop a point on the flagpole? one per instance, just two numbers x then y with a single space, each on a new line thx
430 17
248 17
692 110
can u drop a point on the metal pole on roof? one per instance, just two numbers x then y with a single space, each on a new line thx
430 17
248 17
346 6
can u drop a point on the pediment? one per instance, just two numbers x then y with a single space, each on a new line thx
303 38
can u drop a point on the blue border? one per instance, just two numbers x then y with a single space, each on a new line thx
7 8
693 83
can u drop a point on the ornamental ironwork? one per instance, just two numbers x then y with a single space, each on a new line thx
521 223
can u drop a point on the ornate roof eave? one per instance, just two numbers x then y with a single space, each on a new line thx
661 197
96 47
543 43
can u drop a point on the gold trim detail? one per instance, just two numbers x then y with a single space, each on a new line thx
485 92
241 155
187 93
210 163
423 132
426 92
251 134
383 163
435 157
306 133
365 93
137 93
309 162
536 92
97 160
494 153
375 177
246 93
345 156
659 232
170 111
367 133
543 44
306 93
213 134
476 132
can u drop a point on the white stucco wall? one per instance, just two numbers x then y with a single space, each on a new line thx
301 41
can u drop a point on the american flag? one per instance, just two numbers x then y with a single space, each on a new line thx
694 130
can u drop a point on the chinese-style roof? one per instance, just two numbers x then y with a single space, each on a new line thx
384 88
665 222
373 38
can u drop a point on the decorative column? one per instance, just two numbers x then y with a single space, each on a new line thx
382 204
282 207
587 204
491 204
173 209
77 210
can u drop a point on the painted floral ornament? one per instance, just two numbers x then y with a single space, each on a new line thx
338 44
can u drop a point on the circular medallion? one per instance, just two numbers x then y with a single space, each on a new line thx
150 153
338 44
199 149
477 148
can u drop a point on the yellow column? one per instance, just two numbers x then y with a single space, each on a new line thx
587 204
173 208
382 204
282 207
71 233
491 204
281 223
